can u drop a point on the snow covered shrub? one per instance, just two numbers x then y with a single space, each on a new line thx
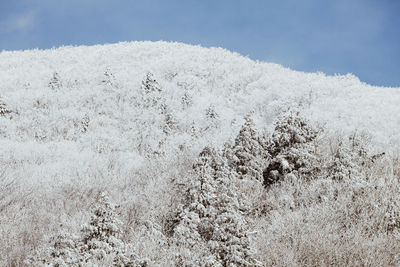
247 153
55 81
212 230
292 149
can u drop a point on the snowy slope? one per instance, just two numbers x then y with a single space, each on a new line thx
51 93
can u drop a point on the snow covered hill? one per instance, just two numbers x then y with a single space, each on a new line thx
146 109
52 91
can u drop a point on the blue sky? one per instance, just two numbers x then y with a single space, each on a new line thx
333 36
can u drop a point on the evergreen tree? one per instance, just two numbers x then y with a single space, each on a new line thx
109 78
150 84
62 253
292 149
151 92
231 241
249 156
55 81
351 158
212 219
101 236
4 110
342 165
99 244
156 119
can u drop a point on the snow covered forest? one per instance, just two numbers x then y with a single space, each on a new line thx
167 154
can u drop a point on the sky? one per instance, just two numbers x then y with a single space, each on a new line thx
332 36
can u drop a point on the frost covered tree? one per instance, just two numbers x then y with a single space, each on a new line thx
342 166
248 154
212 225
231 237
4 110
109 78
55 81
63 252
155 117
292 149
195 226
150 84
101 240
151 90
169 124
351 158
84 123
186 100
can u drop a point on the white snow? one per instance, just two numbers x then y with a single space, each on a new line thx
44 134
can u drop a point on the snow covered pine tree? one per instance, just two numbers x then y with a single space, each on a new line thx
249 155
212 229
101 241
99 244
292 149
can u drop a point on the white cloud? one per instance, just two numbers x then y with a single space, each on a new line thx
19 22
